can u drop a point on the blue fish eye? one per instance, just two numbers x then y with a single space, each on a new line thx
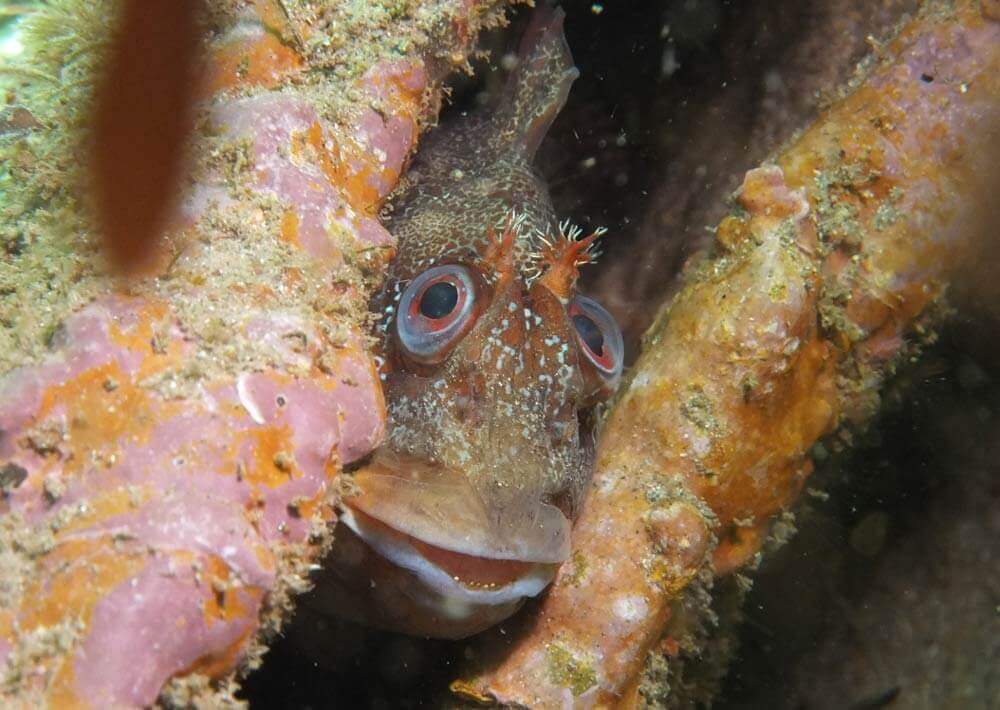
435 310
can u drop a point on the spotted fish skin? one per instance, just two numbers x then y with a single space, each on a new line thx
503 408
470 173
466 508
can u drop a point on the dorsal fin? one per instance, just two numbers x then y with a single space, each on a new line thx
537 88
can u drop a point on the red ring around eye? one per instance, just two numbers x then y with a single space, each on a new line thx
435 311
598 335
439 300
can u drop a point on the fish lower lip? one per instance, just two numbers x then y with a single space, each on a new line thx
428 591
479 579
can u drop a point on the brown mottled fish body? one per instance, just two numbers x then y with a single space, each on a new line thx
471 173
467 505
470 176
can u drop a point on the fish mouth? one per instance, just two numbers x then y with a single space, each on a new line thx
439 506
428 520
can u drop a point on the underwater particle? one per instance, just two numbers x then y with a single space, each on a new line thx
509 61
401 661
693 24
970 375
597 8
668 63
868 536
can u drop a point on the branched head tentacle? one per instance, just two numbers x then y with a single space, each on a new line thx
501 244
557 262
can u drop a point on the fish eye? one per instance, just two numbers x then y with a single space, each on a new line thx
436 309
600 339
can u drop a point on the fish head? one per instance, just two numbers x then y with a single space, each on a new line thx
491 363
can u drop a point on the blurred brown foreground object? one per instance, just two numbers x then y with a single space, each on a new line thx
142 123
830 269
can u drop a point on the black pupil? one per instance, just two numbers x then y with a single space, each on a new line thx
589 333
439 300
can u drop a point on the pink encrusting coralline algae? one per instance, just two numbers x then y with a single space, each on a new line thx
168 469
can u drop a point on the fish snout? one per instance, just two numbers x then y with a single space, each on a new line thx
449 558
